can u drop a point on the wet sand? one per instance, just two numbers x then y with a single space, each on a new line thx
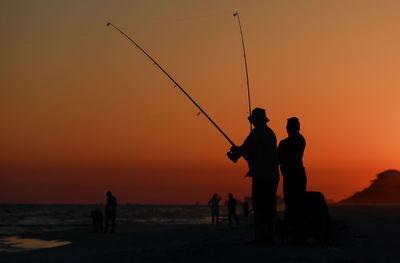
373 236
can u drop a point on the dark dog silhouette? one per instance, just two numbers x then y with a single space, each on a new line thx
97 217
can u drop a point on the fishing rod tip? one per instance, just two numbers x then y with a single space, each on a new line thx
108 23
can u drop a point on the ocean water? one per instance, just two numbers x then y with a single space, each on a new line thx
31 219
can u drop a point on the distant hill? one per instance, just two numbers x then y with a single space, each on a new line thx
384 190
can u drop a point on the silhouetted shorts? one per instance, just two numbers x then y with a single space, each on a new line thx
110 215
264 196
215 212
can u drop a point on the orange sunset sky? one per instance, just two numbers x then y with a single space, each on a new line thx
83 112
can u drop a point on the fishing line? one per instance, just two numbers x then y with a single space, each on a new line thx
177 85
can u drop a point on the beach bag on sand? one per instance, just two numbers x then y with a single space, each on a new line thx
317 223
313 223
313 218
314 207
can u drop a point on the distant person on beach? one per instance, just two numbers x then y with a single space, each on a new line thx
290 151
97 218
232 209
260 151
214 205
110 212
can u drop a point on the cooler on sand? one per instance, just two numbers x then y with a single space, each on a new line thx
312 217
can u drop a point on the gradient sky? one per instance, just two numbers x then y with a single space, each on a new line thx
83 112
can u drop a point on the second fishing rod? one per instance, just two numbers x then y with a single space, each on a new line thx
236 14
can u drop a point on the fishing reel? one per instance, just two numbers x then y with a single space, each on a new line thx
234 153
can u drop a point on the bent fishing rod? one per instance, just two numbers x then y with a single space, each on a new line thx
176 83
250 172
245 65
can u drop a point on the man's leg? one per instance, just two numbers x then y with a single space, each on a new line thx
270 187
94 224
262 227
236 218
112 225
270 229
107 222
255 212
287 198
230 217
101 224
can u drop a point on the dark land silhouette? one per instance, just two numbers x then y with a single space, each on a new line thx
384 190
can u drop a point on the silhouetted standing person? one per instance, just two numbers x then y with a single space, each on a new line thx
110 212
290 152
260 150
214 205
232 209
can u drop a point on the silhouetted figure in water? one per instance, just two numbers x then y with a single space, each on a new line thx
213 204
110 212
290 152
260 150
232 209
97 217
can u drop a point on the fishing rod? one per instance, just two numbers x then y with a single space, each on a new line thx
245 65
176 83
250 173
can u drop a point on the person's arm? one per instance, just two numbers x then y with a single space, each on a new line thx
240 151
246 147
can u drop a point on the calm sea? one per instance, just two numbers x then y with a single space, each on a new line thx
23 219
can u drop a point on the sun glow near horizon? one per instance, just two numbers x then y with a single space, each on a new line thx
83 110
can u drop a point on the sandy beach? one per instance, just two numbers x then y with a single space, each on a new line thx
372 236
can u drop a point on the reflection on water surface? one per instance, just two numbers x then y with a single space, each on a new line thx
17 244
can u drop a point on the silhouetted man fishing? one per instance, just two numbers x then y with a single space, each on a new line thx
290 151
110 212
260 150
